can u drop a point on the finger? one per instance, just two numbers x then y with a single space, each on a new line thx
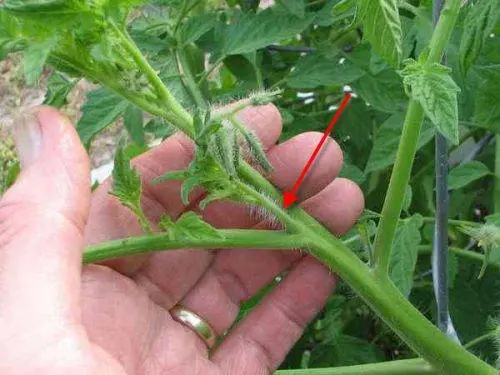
41 224
261 341
235 276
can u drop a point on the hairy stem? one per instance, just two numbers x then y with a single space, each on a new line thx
496 191
229 238
407 148
176 115
471 255
383 297
188 79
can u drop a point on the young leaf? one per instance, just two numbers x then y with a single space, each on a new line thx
383 91
250 31
467 173
353 173
487 104
133 122
171 176
433 87
11 38
316 70
58 89
382 27
189 226
197 26
408 198
101 109
41 8
405 253
34 59
254 144
295 7
222 146
187 186
383 153
487 237
481 19
127 187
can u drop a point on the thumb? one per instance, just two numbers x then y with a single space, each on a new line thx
41 224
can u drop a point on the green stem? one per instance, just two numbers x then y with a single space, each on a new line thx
383 297
271 206
496 191
188 79
400 177
415 366
401 367
477 257
177 114
408 7
487 336
229 238
407 148
209 71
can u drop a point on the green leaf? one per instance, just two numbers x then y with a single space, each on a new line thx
40 8
383 153
433 87
405 252
295 7
382 27
250 31
344 351
58 89
467 173
487 104
480 22
189 226
407 199
353 173
316 70
383 91
187 186
101 108
159 128
133 122
34 59
254 144
197 26
11 38
127 187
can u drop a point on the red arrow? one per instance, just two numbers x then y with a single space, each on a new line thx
290 196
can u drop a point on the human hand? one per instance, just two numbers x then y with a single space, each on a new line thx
58 318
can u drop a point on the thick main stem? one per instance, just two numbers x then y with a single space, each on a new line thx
383 297
397 186
400 177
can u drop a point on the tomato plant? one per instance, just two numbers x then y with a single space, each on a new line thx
417 70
